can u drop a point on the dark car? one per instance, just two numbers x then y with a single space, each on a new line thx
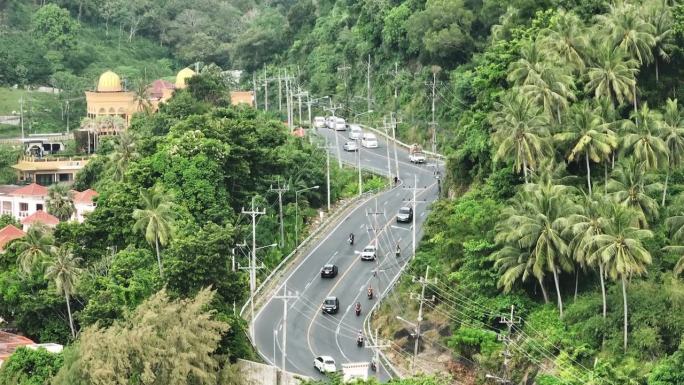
405 214
331 305
329 271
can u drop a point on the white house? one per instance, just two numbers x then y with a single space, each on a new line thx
28 203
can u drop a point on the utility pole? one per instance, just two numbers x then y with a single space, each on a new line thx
285 297
344 68
394 122
509 321
386 127
287 101
280 191
280 92
374 224
265 90
326 148
376 348
358 147
423 281
433 124
252 264
254 90
21 115
413 204
67 116
368 82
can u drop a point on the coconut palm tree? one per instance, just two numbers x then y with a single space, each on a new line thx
63 269
583 227
568 39
521 132
588 138
629 31
673 135
612 75
644 141
60 202
621 250
33 248
514 265
142 95
631 186
552 88
124 151
676 226
155 219
526 69
660 16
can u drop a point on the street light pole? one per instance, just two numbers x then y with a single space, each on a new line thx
297 211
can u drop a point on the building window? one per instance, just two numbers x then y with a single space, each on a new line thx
64 177
39 206
23 206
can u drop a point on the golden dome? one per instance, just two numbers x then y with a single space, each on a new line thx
109 82
183 76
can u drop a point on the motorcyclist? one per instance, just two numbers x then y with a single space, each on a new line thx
359 338
370 292
398 252
358 308
351 238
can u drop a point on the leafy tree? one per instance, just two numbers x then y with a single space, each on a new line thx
63 269
526 70
673 137
123 153
178 336
552 89
568 39
33 248
7 219
642 138
660 16
54 27
629 31
520 132
630 185
60 202
612 75
30 367
155 219
621 249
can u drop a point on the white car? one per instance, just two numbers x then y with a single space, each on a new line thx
369 140
355 132
340 124
368 253
350 146
319 122
330 122
325 364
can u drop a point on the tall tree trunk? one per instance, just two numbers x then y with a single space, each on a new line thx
605 172
576 284
558 293
667 177
559 114
636 110
543 289
612 162
525 169
586 160
603 289
624 305
656 69
156 245
71 318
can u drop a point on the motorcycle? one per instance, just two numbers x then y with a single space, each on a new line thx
351 240
358 309
370 293
398 252
374 366
359 341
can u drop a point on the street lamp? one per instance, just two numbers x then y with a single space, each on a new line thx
297 211
263 247
362 113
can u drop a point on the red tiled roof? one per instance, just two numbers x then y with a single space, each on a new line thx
42 217
10 342
156 89
31 190
8 234
299 132
85 196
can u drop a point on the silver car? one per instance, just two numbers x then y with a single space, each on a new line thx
350 146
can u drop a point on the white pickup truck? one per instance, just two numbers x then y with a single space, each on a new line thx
416 154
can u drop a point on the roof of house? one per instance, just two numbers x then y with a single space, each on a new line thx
10 342
85 197
49 164
8 234
42 217
6 189
31 190
156 89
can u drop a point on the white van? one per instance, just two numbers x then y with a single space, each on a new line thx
319 122
369 140
340 124
355 132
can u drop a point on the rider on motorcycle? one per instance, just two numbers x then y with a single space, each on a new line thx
351 238
370 292
358 308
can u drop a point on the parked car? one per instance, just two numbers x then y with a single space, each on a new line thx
369 140
350 146
331 305
325 364
340 124
355 131
319 122
405 214
368 253
329 271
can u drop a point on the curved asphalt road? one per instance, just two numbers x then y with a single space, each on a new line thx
311 333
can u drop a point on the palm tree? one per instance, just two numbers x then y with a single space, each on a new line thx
526 69
588 138
568 38
63 269
521 132
629 31
142 95
621 250
643 141
552 88
612 75
673 136
583 227
676 226
33 248
124 151
155 219
660 16
513 265
631 186
60 202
